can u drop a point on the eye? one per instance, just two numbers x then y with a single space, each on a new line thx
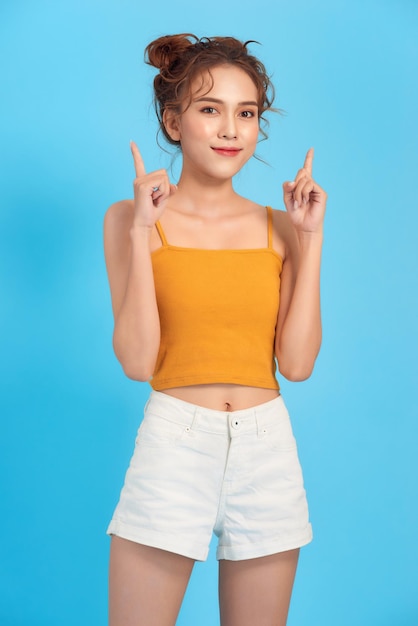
247 114
209 110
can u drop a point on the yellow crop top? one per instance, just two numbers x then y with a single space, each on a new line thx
218 312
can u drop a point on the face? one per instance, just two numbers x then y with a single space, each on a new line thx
218 132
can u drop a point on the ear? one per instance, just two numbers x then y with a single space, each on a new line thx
171 123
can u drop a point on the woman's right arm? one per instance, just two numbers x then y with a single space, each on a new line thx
136 335
127 233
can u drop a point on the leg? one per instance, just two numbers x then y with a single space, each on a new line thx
146 585
257 591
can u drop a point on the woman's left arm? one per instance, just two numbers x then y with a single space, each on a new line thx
298 333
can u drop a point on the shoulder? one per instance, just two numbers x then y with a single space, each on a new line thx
118 221
284 235
119 214
117 225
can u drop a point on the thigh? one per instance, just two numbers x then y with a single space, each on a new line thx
257 591
146 585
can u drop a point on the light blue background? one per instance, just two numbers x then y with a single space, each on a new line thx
74 92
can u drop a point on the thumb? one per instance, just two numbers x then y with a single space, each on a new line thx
288 189
159 200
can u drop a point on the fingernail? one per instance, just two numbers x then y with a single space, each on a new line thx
296 204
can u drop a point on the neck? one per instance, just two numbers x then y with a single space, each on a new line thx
208 198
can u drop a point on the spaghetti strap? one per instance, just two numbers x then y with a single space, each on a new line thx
161 233
269 227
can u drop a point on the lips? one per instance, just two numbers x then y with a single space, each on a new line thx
226 151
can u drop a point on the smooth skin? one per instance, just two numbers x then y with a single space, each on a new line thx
218 133
146 585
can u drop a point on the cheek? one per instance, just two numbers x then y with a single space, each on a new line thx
252 134
204 129
192 133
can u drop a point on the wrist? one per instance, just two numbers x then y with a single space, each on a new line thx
139 230
308 239
140 235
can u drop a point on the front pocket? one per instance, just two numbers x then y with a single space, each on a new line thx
158 432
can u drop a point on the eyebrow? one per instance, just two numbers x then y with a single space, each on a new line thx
245 103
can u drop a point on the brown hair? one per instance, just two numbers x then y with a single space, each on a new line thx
181 58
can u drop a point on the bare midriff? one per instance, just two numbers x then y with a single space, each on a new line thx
223 397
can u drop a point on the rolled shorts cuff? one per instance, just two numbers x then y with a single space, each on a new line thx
154 539
265 548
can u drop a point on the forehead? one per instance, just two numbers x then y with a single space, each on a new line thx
226 82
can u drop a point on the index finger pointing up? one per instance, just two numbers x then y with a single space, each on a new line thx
138 162
309 160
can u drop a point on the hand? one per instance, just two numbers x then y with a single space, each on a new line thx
151 191
305 201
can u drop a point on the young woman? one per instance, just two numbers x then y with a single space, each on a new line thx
210 290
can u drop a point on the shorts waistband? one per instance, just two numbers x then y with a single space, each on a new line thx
253 419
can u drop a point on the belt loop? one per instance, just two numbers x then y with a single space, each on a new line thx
195 418
261 429
146 405
257 421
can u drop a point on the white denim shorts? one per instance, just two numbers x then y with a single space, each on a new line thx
195 471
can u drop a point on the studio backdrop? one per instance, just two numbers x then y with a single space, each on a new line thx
74 92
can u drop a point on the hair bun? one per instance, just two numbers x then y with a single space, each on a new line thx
164 51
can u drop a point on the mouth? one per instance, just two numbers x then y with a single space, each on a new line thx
227 151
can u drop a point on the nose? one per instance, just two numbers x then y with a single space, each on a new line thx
228 129
229 135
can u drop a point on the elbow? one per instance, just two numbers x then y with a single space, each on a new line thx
296 372
136 372
139 369
297 365
295 375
